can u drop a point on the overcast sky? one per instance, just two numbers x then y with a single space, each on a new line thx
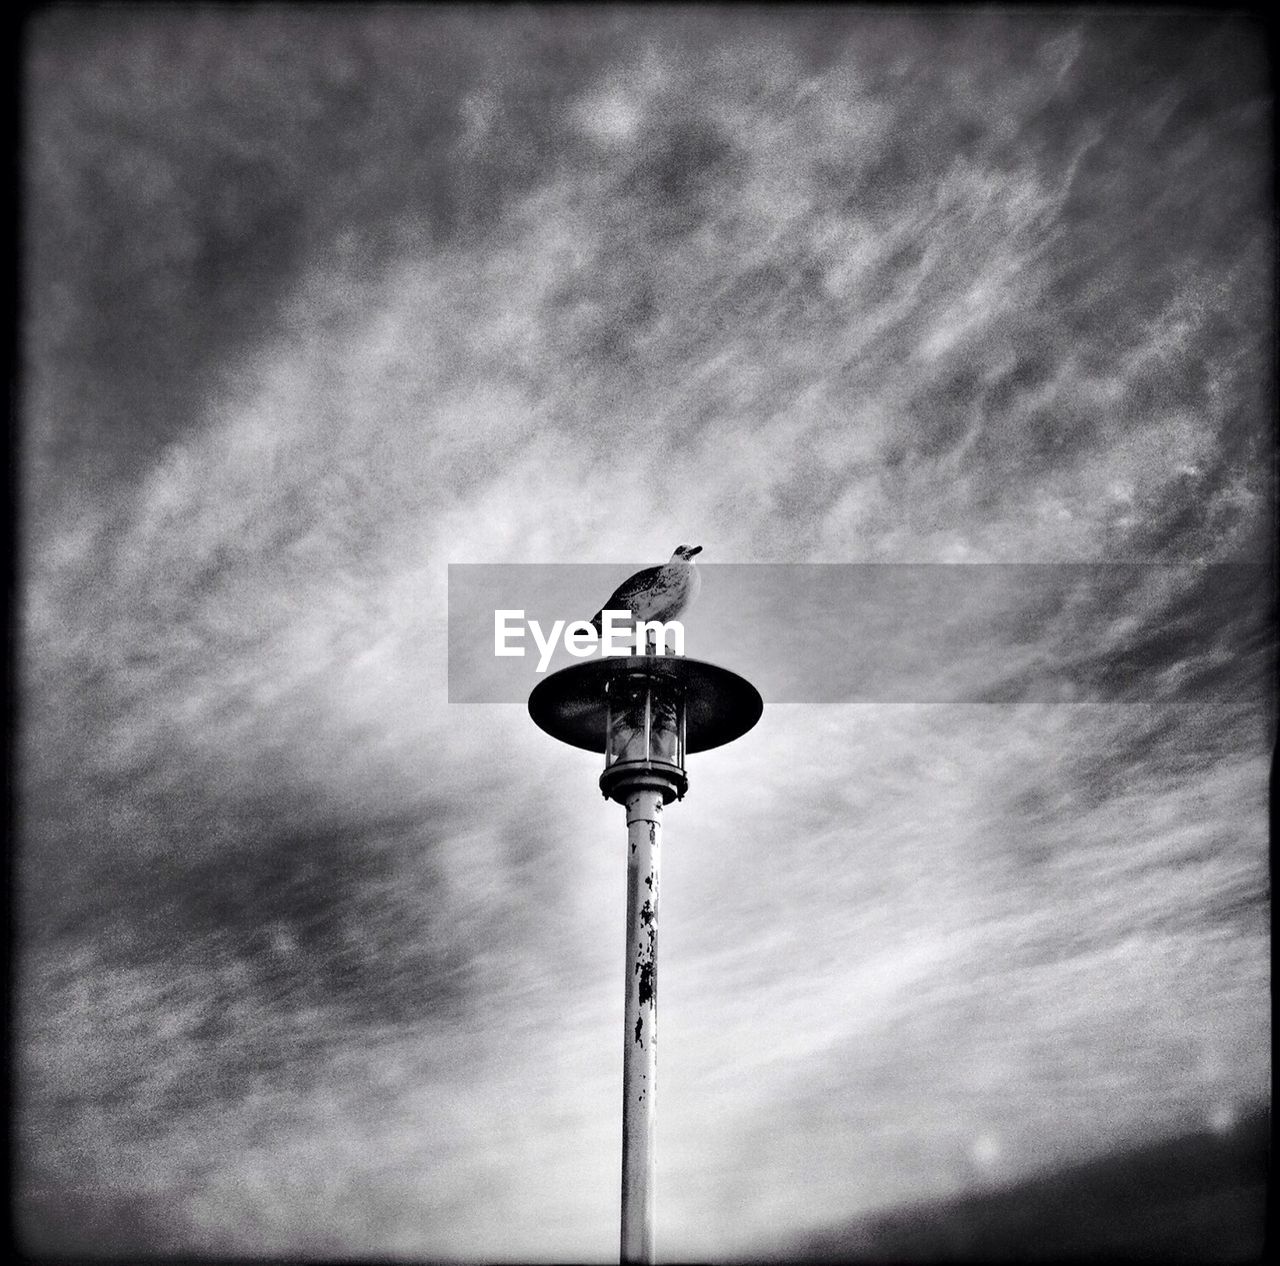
317 302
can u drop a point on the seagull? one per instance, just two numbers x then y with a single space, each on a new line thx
657 593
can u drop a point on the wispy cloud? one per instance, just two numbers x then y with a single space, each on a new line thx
314 961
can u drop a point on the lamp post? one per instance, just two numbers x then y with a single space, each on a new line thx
646 713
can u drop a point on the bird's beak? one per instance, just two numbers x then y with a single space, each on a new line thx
692 550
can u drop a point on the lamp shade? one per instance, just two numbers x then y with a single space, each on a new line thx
572 705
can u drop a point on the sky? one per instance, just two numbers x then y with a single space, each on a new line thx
314 961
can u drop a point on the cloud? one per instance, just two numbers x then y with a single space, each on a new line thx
313 961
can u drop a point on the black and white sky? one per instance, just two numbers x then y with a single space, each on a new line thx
317 301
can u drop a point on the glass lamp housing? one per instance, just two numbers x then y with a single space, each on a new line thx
644 735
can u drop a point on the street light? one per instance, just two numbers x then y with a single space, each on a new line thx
645 713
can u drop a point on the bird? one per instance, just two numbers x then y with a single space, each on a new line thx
657 593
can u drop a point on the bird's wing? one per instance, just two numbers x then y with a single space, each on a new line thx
625 595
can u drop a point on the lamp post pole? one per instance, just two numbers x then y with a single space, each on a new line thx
640 1026
644 713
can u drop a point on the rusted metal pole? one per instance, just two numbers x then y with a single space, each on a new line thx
644 713
640 1036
